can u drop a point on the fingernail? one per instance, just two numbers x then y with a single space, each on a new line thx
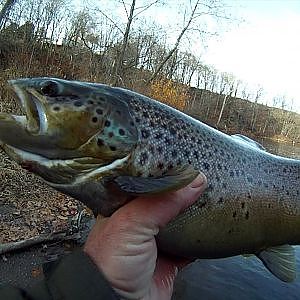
198 181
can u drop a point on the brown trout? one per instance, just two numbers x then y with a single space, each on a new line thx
104 146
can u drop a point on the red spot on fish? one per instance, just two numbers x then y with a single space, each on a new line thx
28 165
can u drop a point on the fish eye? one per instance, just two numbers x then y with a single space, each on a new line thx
49 88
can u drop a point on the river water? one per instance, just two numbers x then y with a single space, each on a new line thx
238 278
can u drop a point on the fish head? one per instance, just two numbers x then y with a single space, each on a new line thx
73 135
67 119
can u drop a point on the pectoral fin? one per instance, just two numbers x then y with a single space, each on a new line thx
171 181
280 261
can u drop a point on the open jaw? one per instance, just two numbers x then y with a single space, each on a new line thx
31 101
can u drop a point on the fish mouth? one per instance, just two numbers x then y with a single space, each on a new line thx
33 107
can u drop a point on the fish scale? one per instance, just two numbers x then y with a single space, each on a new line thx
105 146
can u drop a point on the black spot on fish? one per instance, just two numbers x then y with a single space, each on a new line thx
160 165
206 146
249 179
288 193
202 204
206 166
99 111
100 142
249 195
231 173
56 108
168 141
159 149
100 98
284 170
186 153
243 204
247 215
158 135
94 119
113 148
230 231
151 149
193 139
91 102
219 166
234 214
221 200
78 103
137 120
152 124
110 134
172 131
121 131
131 124
174 153
203 155
145 114
145 133
143 158
269 205
196 155
107 123
224 185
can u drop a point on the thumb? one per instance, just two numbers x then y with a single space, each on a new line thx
157 211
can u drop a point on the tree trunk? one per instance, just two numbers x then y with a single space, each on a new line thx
5 10
222 109
120 60
169 55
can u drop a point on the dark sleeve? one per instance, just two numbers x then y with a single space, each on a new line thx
74 277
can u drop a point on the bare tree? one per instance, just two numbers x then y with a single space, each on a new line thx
6 8
199 9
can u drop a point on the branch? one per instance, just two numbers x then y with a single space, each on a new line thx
111 20
62 236
125 9
145 7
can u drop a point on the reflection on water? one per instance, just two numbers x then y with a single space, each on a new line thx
238 278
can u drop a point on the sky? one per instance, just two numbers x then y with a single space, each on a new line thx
264 49
261 48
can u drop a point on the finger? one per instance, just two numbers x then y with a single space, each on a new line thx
155 212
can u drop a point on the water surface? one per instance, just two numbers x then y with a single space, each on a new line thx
238 278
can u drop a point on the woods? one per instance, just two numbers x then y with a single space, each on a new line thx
120 44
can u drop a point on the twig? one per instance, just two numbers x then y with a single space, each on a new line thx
4 248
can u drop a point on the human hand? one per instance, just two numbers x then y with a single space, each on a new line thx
124 246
